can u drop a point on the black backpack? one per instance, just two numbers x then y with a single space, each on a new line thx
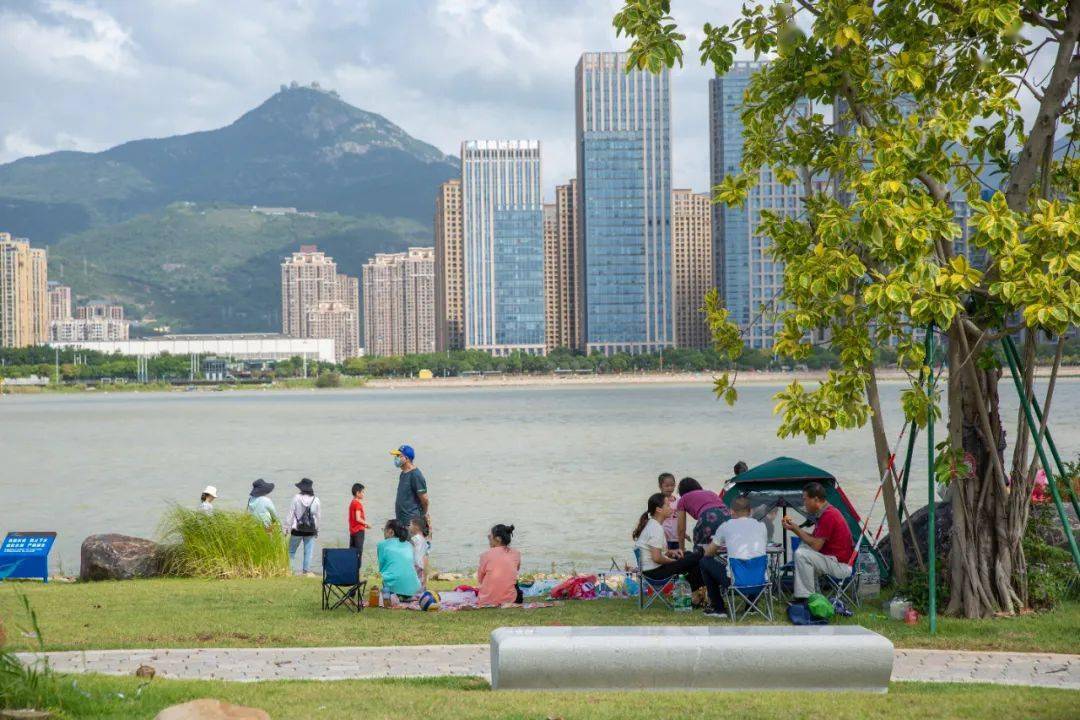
305 524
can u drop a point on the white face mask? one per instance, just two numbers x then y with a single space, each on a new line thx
398 461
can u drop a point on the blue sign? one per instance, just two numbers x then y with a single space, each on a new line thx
26 555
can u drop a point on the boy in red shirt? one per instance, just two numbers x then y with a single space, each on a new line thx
828 550
357 522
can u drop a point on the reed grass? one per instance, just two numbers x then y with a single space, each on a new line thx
221 544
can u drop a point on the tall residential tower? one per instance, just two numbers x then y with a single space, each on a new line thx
319 302
449 267
691 223
502 222
561 281
24 296
623 150
399 303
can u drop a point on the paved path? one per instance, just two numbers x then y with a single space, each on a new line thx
252 664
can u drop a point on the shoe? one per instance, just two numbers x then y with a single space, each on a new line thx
715 614
310 574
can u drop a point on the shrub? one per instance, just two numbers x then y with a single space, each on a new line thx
221 544
328 380
1052 577
917 589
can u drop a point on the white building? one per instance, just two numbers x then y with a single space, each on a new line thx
253 346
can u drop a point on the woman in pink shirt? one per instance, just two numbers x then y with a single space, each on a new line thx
498 569
705 506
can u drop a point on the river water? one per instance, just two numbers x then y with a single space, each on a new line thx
571 467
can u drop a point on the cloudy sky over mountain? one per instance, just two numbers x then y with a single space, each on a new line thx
90 75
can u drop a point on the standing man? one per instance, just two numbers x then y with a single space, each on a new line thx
829 550
412 498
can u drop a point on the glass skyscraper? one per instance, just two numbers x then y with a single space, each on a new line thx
750 280
502 219
623 149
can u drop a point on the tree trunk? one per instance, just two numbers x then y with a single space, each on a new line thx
885 473
987 571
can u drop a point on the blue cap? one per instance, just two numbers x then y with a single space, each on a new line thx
405 450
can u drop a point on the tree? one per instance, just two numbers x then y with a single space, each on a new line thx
912 103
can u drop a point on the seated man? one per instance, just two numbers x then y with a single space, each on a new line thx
744 537
828 550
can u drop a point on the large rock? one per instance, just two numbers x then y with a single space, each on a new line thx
119 557
208 709
1052 531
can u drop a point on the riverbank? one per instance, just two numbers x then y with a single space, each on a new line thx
350 382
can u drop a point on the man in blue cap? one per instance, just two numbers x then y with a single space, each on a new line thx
412 498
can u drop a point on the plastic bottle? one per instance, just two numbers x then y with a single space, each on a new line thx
373 597
870 580
683 596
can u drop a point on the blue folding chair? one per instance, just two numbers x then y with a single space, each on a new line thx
649 589
750 583
846 589
341 583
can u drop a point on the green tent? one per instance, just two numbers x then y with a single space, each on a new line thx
778 483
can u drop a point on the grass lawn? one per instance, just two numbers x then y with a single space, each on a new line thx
463 698
285 612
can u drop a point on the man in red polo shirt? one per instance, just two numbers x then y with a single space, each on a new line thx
826 551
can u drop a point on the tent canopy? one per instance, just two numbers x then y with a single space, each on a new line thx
784 469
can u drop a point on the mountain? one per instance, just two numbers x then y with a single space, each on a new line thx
303 147
215 267
123 214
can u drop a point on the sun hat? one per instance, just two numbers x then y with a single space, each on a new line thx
260 487
405 450
210 490
305 486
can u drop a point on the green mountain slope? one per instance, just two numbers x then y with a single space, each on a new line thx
214 267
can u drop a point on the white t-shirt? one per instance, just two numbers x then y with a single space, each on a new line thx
421 547
744 537
651 537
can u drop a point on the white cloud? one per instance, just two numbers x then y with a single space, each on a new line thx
114 70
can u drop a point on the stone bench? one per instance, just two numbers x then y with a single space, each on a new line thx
843 657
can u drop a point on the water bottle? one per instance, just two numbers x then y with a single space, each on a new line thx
870 581
683 596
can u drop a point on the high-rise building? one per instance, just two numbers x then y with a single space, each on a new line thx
24 300
502 220
449 268
319 302
560 269
623 150
399 303
751 281
59 301
95 321
691 234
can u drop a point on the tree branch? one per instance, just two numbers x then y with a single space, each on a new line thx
1065 69
1054 27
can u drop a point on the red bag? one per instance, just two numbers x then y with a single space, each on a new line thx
579 587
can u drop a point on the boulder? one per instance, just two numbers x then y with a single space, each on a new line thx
119 557
1050 529
208 709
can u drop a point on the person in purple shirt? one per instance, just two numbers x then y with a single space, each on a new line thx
704 506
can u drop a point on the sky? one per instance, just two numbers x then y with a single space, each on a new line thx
90 75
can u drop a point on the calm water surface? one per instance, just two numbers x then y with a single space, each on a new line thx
571 467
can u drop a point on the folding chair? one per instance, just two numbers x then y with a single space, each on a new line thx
750 582
845 590
341 583
651 589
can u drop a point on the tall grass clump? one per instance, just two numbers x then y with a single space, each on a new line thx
221 544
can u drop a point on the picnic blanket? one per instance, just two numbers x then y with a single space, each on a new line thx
454 600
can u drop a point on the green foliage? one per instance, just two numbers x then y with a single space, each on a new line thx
328 380
222 544
917 589
1051 575
950 464
881 115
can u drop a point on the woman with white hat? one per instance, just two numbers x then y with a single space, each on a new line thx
206 502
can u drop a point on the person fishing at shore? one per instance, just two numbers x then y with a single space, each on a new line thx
261 506
704 506
412 490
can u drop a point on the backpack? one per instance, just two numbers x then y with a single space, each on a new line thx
799 614
305 524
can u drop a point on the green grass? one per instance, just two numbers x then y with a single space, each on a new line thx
222 545
182 612
465 698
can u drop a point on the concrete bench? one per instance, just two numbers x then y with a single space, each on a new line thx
844 657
